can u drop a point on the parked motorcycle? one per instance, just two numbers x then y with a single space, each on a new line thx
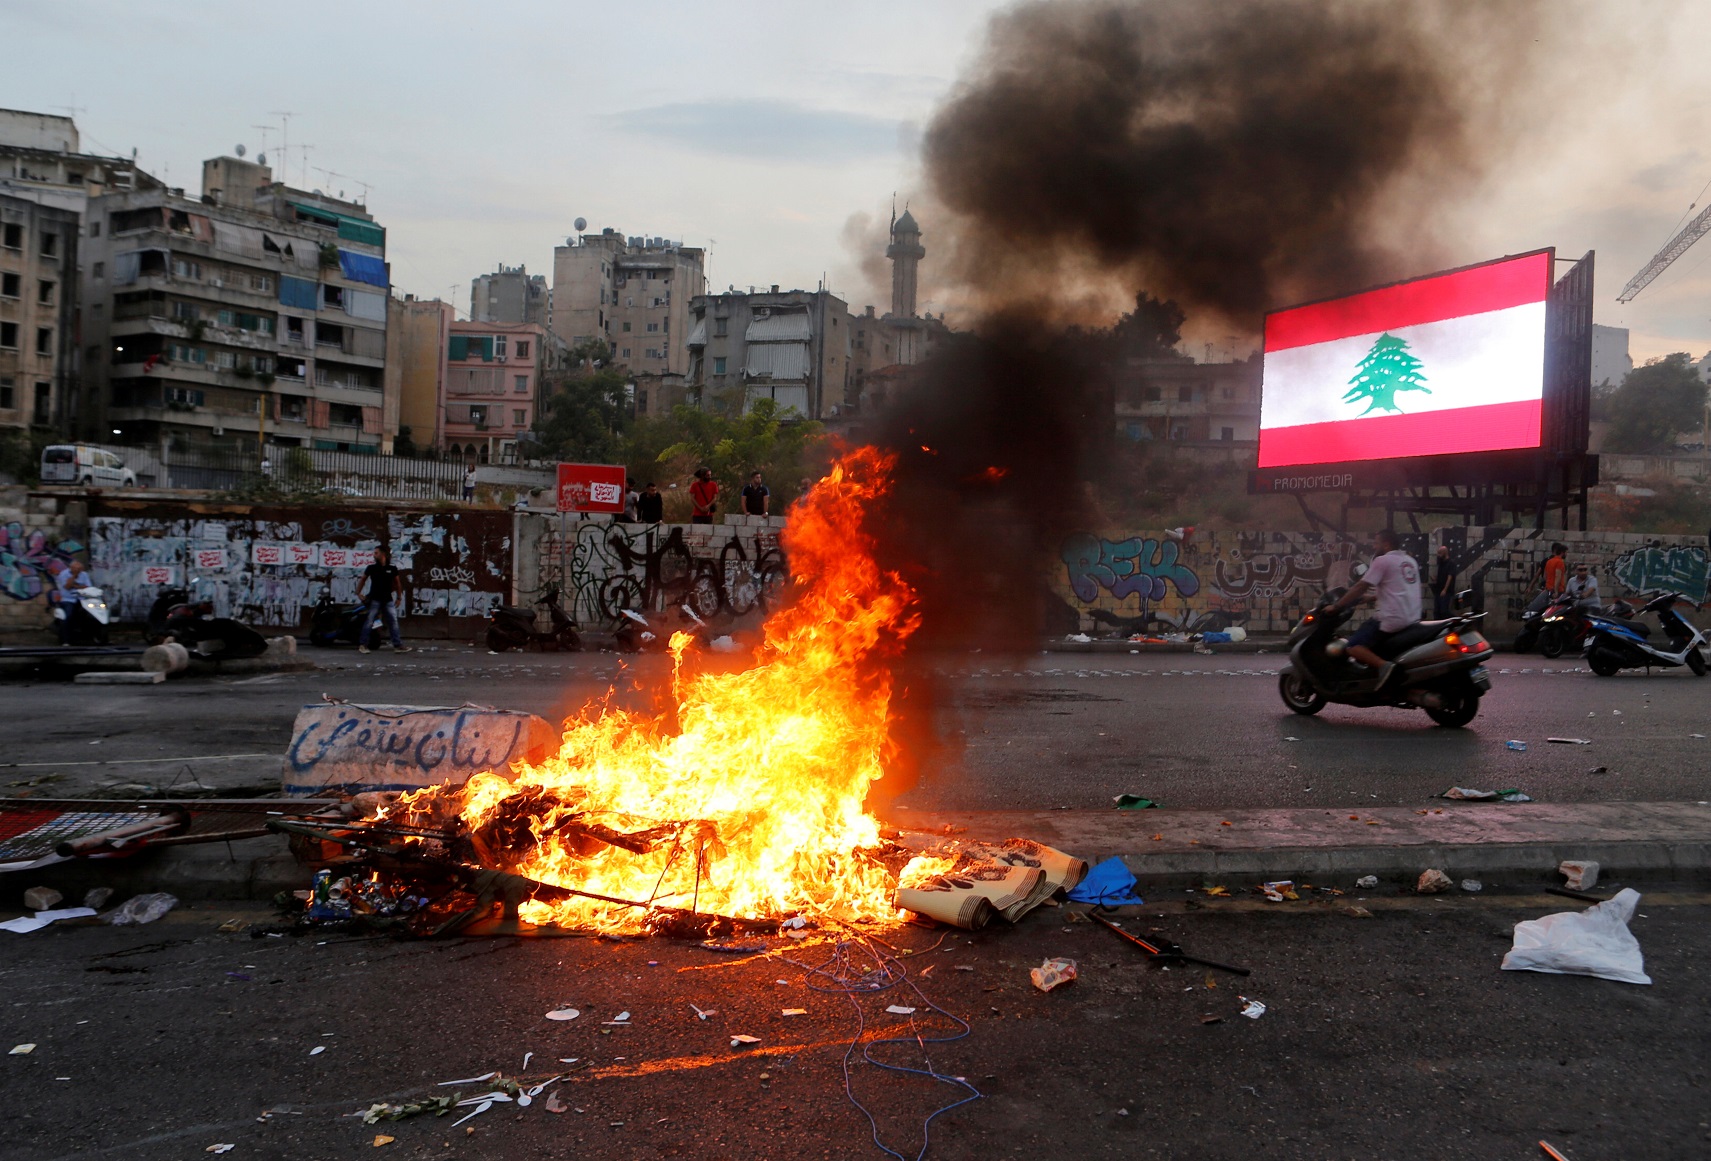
1613 644
636 634
1440 667
85 619
513 627
331 623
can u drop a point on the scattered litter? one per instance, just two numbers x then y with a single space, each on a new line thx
1594 942
620 1018
487 1097
794 922
382 1139
1252 1009
1279 890
526 1057
42 898
1367 882
1517 745
1110 884
744 1041
141 909
900 1010
476 1112
1078 638
469 1079
223 1148
1472 885
563 1014
1571 741
25 924
1582 874
96 897
1357 912
1599 770
1433 882
21 1050
1053 973
804 1011
1696 735
554 1105
703 1014
964 967
1216 892
1552 1153
317 1050
1463 794
1133 802
382 1111
1211 1019
1292 739
574 1059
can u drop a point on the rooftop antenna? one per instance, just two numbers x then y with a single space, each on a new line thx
304 164
284 139
265 131
893 227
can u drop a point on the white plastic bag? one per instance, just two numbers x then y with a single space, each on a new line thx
141 909
1594 942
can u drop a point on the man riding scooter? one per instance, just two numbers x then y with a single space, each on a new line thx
1395 579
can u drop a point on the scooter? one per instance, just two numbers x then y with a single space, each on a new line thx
1440 667
331 623
84 620
636 635
165 607
1613 645
513 627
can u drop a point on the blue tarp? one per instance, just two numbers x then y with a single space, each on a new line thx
363 268
1109 884
298 292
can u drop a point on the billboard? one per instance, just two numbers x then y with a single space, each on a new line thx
590 488
1446 364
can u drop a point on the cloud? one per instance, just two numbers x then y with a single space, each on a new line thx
770 130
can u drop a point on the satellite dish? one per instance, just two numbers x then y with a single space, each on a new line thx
581 224
261 159
240 151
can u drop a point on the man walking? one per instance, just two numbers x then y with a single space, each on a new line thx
757 497
384 585
1443 584
703 494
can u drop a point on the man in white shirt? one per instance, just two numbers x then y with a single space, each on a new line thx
1583 587
1395 578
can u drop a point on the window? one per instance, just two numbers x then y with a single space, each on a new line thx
44 292
8 393
261 283
1185 395
345 414
293 409
1152 395
1227 433
1228 393
184 396
13 238
184 268
653 328
520 384
520 417
100 267
262 364
185 311
333 296
9 335
50 245
719 326
225 360
499 344
719 365
184 354
522 348
478 416
11 286
293 330
95 229
626 328
626 352
44 393
44 340
629 300
653 353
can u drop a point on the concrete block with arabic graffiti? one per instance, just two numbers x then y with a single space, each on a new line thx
354 748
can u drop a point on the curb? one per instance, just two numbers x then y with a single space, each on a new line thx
1519 844
1251 645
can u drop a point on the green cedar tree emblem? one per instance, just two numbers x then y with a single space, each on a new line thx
1388 367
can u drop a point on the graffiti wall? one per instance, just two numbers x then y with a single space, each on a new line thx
268 566
605 567
1159 582
31 560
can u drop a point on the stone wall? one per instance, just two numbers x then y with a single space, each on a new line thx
39 533
1129 582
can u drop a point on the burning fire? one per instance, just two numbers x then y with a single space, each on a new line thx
746 799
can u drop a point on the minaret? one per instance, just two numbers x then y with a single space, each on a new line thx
905 252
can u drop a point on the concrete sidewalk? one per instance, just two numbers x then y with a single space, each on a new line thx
1516 845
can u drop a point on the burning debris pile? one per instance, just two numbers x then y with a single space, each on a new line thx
739 805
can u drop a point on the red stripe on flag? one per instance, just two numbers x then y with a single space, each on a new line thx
1494 286
1495 427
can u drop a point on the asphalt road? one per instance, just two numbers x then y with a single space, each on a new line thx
1394 1036
1044 731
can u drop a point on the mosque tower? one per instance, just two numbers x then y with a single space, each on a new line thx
905 253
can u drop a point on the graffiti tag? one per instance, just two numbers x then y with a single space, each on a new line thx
1681 570
1126 567
29 564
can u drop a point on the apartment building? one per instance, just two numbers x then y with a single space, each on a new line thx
491 388
417 339
254 310
632 293
509 295
790 346
38 320
1186 402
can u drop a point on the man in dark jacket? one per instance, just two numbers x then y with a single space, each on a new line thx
1444 584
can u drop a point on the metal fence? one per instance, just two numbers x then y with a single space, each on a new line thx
342 473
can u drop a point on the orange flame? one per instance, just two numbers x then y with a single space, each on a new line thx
752 792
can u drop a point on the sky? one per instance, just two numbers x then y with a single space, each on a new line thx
762 131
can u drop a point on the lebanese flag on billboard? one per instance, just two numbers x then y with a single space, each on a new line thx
1449 363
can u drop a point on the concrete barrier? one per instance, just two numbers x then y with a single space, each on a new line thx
168 658
348 749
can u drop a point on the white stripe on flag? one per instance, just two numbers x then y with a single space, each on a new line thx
1495 357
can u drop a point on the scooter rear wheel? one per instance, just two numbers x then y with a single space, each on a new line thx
1298 695
1458 709
499 641
1552 640
1696 662
1603 664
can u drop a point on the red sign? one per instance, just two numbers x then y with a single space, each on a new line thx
590 488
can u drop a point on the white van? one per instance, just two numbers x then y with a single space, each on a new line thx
79 463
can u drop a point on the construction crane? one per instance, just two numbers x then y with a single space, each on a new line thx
1673 249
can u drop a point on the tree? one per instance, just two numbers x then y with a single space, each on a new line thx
404 443
1388 367
1150 331
733 445
584 415
1655 403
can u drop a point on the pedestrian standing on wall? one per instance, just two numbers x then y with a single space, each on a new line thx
1444 584
704 495
630 498
469 483
650 505
757 497
385 586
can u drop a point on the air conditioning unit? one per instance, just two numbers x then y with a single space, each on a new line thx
500 358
